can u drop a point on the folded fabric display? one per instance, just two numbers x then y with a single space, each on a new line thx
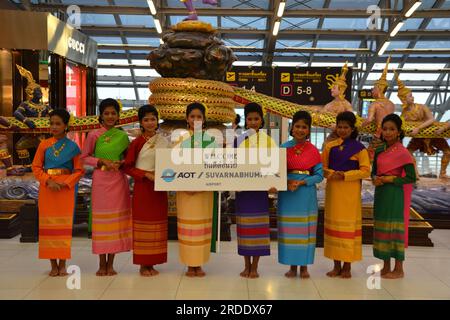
12 189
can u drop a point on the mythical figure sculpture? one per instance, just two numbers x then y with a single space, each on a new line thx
421 114
190 6
28 109
339 103
380 108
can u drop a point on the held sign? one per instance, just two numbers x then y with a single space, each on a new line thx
230 169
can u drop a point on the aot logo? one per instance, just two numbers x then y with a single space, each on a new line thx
168 175
76 45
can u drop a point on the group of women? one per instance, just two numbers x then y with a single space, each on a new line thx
122 223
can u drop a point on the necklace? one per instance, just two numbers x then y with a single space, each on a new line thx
151 145
56 152
391 148
107 139
298 151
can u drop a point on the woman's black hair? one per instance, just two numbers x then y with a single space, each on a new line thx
148 108
237 119
301 115
350 119
62 113
253 107
199 106
109 102
398 123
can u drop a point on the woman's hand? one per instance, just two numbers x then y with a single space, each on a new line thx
337 175
294 184
110 165
52 185
387 179
377 182
150 176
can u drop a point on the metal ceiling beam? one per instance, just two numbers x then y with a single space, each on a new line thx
319 26
295 59
118 21
316 13
424 24
370 61
144 31
439 82
271 40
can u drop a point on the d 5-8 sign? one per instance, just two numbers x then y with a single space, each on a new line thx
307 86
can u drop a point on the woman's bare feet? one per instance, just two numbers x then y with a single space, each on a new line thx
393 275
55 271
336 270
62 268
292 273
101 272
304 274
346 272
253 274
334 273
62 271
110 265
153 271
143 270
246 272
386 268
254 268
199 272
190 272
110 271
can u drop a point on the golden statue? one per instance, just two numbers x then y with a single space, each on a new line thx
379 109
339 103
30 108
421 114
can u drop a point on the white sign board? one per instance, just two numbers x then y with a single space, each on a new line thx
220 169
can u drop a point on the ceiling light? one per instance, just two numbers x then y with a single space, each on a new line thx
383 48
413 8
281 9
151 6
276 28
397 28
158 26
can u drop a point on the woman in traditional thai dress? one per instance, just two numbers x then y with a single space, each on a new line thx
345 163
297 207
393 167
149 207
195 209
252 207
58 169
104 150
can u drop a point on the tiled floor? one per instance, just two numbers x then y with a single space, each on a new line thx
23 276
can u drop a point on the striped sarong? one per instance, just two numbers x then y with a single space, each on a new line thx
194 218
252 219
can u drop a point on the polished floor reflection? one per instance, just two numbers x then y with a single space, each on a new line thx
23 276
